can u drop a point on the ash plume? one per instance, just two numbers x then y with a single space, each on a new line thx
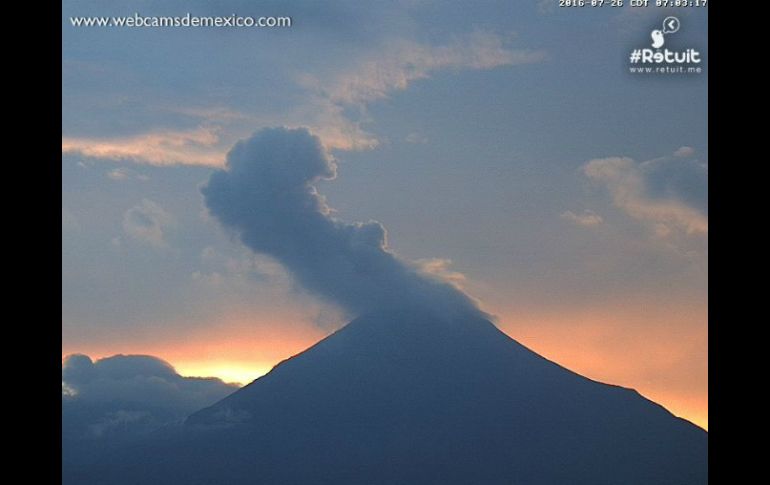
266 195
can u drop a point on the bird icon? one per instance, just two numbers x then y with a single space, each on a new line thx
657 39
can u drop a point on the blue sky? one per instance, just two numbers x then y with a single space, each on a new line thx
505 146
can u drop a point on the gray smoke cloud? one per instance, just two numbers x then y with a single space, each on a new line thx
266 194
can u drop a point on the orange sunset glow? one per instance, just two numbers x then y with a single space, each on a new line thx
664 362
236 351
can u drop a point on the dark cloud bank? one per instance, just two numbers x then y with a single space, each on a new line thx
112 401
266 195
138 379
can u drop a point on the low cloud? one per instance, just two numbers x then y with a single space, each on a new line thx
120 174
416 138
126 395
266 196
669 193
587 218
146 223
139 379
117 420
684 152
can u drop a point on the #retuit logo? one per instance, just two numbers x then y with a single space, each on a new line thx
659 60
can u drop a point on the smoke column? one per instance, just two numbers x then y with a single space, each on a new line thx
266 195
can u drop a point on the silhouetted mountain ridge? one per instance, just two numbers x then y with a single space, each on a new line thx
410 397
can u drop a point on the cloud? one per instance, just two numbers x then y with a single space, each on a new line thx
331 98
127 395
138 379
192 147
267 196
117 420
396 65
124 173
587 218
403 62
146 223
218 269
684 152
441 268
670 192
416 138
118 174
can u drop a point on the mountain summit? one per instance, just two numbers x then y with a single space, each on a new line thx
412 398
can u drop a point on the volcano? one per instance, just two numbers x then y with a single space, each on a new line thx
414 398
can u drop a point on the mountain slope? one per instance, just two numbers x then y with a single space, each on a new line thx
411 398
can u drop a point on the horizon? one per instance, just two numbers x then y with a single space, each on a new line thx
242 373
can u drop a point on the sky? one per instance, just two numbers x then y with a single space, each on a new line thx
503 149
